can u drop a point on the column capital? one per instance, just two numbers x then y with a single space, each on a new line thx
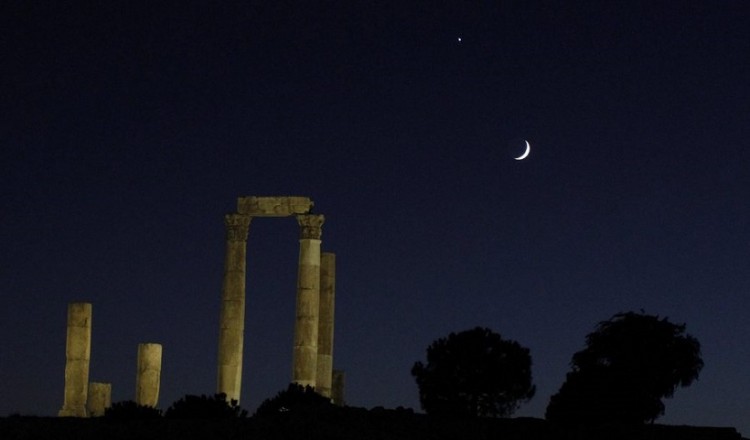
310 226
237 226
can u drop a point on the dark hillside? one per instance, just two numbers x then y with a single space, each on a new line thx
339 424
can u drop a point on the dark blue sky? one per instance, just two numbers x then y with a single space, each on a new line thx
129 130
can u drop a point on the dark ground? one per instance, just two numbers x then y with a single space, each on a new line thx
341 424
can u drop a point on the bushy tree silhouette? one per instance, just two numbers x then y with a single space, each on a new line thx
294 399
129 410
630 363
474 373
205 407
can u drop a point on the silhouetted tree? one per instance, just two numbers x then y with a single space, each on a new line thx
129 410
474 373
294 399
205 407
630 363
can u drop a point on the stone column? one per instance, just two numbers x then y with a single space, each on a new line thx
77 356
337 387
325 323
148 377
99 399
232 318
305 369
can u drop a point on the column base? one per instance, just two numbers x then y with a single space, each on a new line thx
72 412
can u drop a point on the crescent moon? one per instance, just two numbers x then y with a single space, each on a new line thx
525 153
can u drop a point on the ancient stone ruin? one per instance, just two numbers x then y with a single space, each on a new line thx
312 363
84 399
316 279
77 356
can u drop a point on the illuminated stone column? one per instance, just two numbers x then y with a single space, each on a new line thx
148 378
77 356
99 398
232 318
305 361
325 323
337 387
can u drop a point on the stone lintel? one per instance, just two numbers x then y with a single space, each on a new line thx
273 206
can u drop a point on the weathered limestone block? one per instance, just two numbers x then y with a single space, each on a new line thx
273 206
325 323
148 379
232 317
77 357
99 398
305 359
337 387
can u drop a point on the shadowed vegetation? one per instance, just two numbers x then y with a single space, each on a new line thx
295 398
474 373
129 410
205 407
630 363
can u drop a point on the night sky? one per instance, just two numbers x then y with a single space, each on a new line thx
128 130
